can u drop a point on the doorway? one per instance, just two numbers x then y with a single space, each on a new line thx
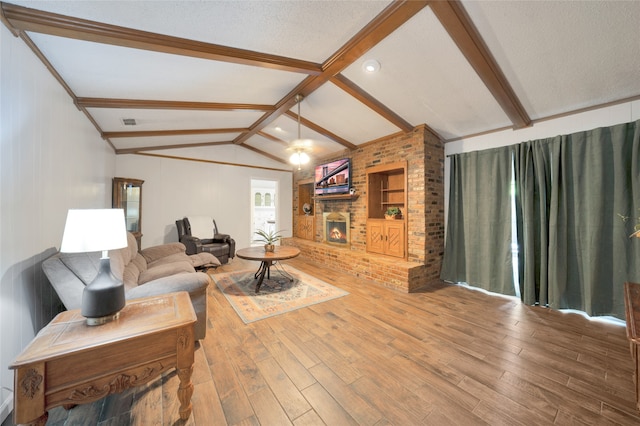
263 207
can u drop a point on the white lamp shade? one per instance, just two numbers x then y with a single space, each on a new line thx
89 230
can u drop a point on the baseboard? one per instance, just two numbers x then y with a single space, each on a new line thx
7 405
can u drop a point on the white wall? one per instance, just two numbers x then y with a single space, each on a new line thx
51 159
609 116
175 188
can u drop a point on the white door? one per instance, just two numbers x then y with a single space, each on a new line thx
263 207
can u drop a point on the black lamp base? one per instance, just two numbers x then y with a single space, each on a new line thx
103 320
103 298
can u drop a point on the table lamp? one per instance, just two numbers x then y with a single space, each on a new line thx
97 230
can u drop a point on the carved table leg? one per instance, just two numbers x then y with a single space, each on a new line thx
184 366
185 391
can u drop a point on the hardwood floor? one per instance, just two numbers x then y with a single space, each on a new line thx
445 356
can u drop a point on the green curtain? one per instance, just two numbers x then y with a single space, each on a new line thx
532 174
571 193
478 244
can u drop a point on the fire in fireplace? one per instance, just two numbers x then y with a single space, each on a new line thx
336 228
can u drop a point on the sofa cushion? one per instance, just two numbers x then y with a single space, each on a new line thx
165 270
85 266
140 262
204 260
130 276
172 258
120 258
116 259
152 254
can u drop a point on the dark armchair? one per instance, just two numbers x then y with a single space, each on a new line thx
200 234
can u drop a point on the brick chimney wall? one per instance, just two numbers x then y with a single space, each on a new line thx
424 154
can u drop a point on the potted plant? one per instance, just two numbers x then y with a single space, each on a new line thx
392 213
269 238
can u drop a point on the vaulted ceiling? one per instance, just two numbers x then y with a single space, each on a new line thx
220 73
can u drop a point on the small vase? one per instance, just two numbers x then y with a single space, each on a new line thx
390 216
269 248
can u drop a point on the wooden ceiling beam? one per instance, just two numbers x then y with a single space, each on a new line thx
266 154
174 146
177 105
26 19
372 103
389 20
183 132
324 132
224 163
22 19
459 26
273 138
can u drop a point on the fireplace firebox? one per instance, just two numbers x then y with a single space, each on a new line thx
336 228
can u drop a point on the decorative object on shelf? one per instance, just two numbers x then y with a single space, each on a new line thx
300 146
352 191
306 208
269 238
392 213
98 230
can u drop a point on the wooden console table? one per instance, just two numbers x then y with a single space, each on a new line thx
632 315
69 363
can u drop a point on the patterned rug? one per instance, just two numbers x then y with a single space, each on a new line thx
276 296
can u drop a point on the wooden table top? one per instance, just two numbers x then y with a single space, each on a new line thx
258 253
69 332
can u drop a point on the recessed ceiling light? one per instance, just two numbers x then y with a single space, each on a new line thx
371 66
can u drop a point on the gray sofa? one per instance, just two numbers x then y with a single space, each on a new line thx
153 271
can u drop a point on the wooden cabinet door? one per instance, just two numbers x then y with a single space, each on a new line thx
375 236
386 237
305 227
394 238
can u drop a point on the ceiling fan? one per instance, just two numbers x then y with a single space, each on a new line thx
299 146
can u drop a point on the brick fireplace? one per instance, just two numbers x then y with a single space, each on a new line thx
424 154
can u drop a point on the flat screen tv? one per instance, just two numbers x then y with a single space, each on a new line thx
333 178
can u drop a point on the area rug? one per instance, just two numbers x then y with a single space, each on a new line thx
277 295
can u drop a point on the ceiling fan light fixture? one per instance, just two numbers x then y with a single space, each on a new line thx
300 157
370 66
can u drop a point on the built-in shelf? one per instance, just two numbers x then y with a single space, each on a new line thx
337 197
305 224
386 187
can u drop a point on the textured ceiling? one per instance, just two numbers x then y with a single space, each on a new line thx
219 74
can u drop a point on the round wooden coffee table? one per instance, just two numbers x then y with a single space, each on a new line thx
266 259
